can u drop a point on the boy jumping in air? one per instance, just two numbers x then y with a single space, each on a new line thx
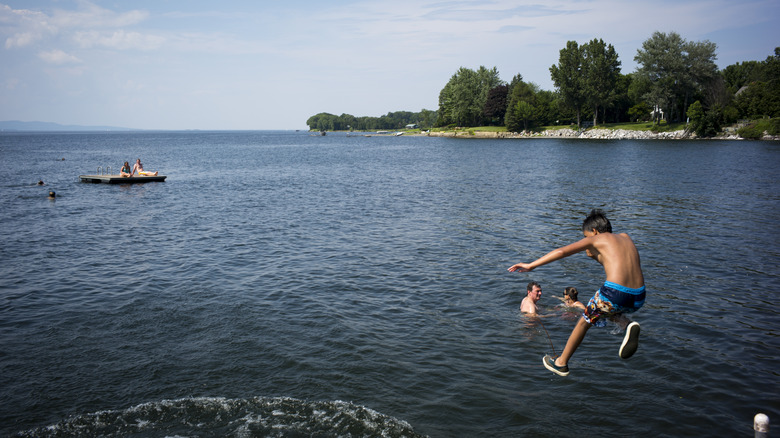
623 291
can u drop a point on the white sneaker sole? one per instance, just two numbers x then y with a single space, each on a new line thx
630 341
553 369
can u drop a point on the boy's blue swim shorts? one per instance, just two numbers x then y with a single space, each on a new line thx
612 299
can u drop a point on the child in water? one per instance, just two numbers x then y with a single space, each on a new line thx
622 292
570 298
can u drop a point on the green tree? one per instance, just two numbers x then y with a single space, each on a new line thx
640 111
620 101
676 70
762 96
717 95
601 70
700 70
322 122
569 79
392 120
462 100
696 115
739 75
761 99
705 123
520 114
524 112
347 122
661 64
488 80
546 108
427 119
496 105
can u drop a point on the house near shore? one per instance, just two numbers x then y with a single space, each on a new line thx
412 126
657 112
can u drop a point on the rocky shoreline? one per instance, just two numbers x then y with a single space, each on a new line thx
596 133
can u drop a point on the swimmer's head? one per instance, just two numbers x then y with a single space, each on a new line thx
570 293
534 291
52 195
598 221
40 182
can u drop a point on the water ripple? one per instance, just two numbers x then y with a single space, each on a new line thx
373 270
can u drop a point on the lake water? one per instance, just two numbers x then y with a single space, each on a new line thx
283 284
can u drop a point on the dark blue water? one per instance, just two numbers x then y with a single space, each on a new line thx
280 284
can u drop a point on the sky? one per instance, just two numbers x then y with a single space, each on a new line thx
268 64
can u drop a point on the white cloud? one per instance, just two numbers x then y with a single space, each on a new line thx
58 57
118 39
23 27
91 15
20 40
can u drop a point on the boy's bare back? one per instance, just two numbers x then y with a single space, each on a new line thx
618 255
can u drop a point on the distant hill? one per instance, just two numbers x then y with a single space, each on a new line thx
15 125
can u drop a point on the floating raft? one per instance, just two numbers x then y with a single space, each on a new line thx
119 179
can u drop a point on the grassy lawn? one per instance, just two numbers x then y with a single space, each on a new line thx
474 128
645 126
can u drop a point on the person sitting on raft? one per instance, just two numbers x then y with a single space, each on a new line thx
140 169
126 172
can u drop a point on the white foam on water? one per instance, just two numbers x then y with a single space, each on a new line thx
258 416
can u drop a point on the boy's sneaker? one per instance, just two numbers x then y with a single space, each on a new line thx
549 363
630 341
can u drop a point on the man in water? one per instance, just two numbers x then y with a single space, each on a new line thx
533 294
623 292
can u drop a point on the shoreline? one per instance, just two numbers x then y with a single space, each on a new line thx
597 134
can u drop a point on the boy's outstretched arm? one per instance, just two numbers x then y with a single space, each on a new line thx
554 255
520 267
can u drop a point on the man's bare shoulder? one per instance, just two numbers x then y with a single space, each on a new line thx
526 306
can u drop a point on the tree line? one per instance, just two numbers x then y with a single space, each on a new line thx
392 120
675 80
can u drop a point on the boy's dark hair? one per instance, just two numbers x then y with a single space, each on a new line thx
571 292
531 285
598 221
